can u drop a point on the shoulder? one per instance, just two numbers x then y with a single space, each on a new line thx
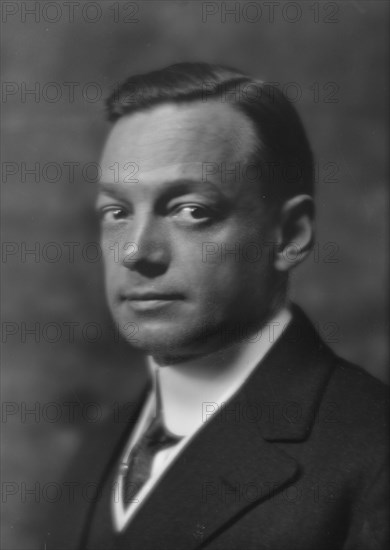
355 414
351 387
358 391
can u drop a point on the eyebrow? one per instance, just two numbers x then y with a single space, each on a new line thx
168 188
108 188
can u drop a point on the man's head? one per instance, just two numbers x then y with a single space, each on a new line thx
206 183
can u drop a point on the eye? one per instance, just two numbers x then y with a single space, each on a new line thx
112 214
192 214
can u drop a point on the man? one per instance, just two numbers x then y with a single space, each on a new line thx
252 434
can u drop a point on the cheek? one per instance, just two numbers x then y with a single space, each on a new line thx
111 243
110 265
111 270
227 279
227 261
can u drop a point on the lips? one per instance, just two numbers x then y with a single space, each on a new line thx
149 301
137 296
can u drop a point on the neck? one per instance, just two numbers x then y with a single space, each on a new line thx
185 386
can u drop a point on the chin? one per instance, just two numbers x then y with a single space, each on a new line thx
159 338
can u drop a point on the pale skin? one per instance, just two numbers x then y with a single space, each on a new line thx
158 211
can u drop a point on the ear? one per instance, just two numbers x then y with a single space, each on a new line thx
294 232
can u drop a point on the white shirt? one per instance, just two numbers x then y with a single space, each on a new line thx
191 393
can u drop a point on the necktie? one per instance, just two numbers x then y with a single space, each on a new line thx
138 469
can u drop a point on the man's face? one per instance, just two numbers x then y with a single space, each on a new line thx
182 237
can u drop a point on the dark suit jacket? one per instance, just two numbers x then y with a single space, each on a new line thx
295 461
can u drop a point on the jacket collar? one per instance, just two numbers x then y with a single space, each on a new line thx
206 489
285 391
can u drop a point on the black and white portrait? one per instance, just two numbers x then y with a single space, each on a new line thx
194 260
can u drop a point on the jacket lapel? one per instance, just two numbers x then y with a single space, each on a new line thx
287 387
234 463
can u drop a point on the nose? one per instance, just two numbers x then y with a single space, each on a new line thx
148 249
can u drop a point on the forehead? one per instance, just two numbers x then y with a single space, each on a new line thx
179 137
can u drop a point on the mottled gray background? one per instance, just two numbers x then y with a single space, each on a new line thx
341 47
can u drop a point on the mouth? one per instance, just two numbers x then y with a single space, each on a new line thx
146 301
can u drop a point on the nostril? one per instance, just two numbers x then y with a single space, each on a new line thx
149 258
149 268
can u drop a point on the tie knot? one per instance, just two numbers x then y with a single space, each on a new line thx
138 470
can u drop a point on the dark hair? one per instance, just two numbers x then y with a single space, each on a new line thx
283 153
